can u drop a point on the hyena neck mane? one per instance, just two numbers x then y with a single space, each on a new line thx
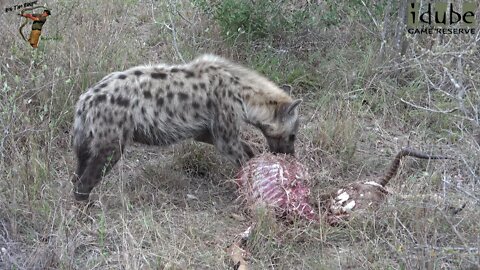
263 100
393 169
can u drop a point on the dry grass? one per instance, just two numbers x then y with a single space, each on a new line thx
176 208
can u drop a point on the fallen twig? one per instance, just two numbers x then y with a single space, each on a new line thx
427 109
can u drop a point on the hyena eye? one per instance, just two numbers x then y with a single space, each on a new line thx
291 137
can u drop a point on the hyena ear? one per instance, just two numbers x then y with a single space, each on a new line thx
290 109
287 88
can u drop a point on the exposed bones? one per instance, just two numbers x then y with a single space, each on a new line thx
362 195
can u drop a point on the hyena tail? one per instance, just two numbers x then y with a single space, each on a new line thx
79 132
81 146
392 171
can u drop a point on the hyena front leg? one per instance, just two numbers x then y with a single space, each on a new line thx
96 167
207 137
226 138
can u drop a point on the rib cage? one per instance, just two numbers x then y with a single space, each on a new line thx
278 182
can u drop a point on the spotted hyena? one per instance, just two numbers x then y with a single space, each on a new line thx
206 99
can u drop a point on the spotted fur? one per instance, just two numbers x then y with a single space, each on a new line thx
206 99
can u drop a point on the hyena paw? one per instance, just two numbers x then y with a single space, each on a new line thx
248 150
80 194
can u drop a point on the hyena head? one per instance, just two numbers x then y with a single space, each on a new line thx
281 130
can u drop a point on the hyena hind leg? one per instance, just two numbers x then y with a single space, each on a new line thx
83 155
96 167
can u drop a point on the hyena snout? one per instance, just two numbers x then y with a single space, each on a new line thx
281 145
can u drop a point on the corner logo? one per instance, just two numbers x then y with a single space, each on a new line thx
441 18
26 11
